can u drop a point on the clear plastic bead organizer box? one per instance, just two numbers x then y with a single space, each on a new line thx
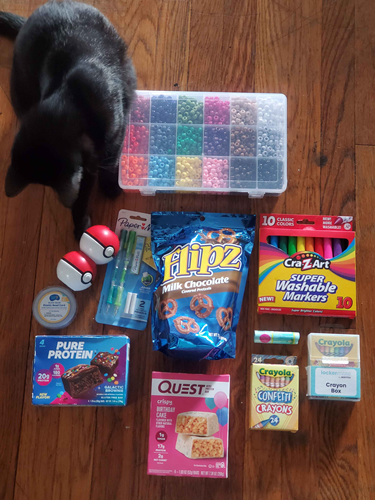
205 142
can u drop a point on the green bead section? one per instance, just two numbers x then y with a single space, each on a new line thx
189 140
190 111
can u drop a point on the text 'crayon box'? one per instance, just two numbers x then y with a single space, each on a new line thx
301 270
274 394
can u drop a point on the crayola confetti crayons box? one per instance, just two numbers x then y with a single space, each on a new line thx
334 370
189 425
274 393
307 265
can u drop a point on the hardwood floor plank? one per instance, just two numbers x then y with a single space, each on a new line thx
364 72
365 188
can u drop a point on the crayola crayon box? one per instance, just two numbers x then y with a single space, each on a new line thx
307 265
334 370
274 393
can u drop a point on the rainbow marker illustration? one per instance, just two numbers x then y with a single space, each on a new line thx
262 424
283 244
310 247
292 245
319 248
274 241
327 247
301 244
337 247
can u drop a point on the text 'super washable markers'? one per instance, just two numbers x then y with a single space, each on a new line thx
310 247
292 245
283 244
327 247
274 241
301 244
269 337
337 247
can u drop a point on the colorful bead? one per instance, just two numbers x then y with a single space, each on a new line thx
161 171
140 111
189 140
134 170
188 171
243 141
270 173
270 143
243 173
190 110
216 141
163 139
216 111
163 109
244 111
136 139
215 173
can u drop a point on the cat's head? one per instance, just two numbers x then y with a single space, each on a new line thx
50 153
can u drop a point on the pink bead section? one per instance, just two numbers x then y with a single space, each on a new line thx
216 111
215 173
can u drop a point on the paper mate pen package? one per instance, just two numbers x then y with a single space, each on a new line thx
189 425
334 370
307 265
81 370
129 281
274 393
203 260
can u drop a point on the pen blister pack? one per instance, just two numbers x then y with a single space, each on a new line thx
128 284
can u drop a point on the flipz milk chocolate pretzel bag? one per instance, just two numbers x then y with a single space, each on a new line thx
203 260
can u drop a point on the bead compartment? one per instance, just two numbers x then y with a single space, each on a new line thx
225 142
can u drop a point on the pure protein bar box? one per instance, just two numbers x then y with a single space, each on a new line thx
189 425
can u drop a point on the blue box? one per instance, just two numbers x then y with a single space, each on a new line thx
81 370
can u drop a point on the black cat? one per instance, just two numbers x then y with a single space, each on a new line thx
71 85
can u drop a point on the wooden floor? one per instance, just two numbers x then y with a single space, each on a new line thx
321 54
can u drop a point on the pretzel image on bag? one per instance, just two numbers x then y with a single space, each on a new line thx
203 260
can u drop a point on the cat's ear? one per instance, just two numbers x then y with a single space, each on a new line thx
14 182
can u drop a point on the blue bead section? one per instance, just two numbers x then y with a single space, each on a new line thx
161 171
163 140
216 141
163 109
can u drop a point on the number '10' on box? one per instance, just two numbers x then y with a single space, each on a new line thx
189 421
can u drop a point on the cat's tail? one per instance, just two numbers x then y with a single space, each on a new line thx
10 24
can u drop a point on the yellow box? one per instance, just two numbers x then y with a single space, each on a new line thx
274 396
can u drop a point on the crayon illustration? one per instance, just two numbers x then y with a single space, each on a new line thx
273 382
334 351
262 424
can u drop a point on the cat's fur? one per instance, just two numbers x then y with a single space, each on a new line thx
72 85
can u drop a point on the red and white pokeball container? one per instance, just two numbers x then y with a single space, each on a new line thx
76 271
100 244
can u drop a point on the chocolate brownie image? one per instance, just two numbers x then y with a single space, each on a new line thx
106 362
79 379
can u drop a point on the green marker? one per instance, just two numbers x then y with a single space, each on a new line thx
130 247
292 245
283 244
111 293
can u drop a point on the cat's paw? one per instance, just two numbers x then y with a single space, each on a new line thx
81 228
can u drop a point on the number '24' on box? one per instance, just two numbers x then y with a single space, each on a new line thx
189 421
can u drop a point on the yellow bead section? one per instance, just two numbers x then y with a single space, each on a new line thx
188 171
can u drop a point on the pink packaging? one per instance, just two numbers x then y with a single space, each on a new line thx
189 425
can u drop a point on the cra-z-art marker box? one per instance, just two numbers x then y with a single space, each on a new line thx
307 265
